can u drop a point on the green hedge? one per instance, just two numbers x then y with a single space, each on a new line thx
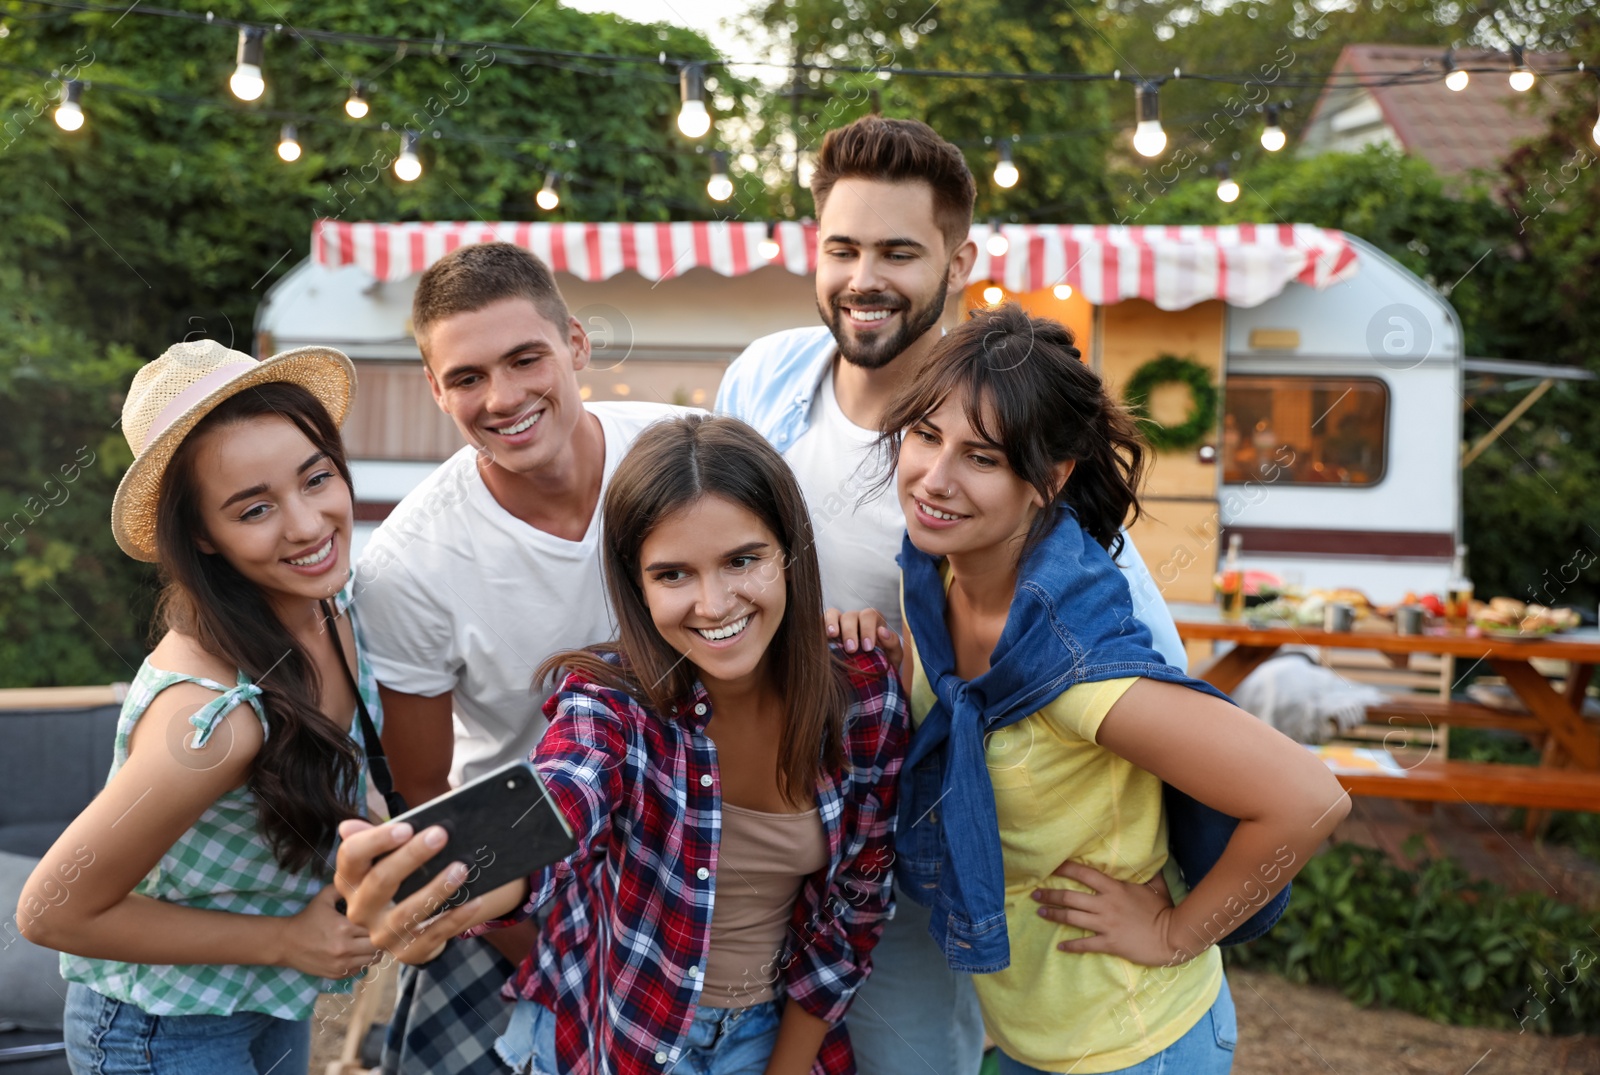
1434 942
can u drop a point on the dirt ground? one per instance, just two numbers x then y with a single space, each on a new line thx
1288 1029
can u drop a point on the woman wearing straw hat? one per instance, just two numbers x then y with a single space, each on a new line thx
192 899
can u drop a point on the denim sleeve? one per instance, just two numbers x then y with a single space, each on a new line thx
1150 608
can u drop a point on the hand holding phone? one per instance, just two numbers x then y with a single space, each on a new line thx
502 826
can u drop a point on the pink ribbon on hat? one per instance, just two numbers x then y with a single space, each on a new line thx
191 395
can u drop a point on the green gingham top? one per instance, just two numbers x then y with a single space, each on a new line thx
222 863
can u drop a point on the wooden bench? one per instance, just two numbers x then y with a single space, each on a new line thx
1419 710
1536 787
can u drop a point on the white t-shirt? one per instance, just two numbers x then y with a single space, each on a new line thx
457 594
858 526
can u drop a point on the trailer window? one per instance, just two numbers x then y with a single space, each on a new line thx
1305 430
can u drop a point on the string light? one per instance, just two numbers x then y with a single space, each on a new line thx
1062 291
1272 136
1454 77
720 187
996 244
1005 169
1148 137
288 144
355 106
1227 189
1596 132
408 166
993 294
69 113
1521 75
769 247
548 197
693 119
247 83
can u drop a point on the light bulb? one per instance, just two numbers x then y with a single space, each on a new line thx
1272 136
1062 291
246 82
407 167
1521 77
1596 132
719 186
1228 190
288 144
1457 80
1005 170
992 295
69 117
1148 137
355 106
69 114
548 197
768 248
997 243
693 119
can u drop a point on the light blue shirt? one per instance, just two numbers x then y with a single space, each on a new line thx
771 386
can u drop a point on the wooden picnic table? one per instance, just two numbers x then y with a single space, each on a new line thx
1570 777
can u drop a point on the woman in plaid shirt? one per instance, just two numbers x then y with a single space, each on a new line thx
730 779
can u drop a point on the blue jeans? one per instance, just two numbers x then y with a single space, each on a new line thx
108 1037
722 1041
1207 1049
914 1015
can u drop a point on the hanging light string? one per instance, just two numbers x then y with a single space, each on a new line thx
510 52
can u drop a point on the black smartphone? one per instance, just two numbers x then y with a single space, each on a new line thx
504 825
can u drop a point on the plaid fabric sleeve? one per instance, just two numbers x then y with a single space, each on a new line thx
833 934
580 760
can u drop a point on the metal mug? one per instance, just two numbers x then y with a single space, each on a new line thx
1408 620
1338 616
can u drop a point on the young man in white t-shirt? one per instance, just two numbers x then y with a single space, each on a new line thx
894 206
488 567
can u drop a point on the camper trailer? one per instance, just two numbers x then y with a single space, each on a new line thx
1333 454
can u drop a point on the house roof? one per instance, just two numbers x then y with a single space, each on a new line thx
1456 132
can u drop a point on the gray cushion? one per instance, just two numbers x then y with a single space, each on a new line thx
32 994
32 839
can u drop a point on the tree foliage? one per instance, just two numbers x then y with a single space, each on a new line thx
168 215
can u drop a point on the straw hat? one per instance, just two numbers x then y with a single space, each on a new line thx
171 395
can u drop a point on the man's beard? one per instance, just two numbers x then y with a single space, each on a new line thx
878 353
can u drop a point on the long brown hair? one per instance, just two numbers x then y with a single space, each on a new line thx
672 465
306 774
1029 393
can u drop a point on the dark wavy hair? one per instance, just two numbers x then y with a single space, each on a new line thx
307 772
1029 393
672 465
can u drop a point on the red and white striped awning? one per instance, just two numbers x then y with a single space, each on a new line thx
1172 266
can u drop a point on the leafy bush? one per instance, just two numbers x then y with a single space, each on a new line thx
1434 942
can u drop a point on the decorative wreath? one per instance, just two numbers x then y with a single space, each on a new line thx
1170 369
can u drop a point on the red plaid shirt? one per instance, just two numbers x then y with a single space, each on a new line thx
622 957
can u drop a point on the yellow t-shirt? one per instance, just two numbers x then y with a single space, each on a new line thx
1058 796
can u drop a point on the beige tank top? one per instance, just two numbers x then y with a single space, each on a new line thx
761 863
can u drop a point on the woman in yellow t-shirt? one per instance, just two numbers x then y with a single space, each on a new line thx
1016 473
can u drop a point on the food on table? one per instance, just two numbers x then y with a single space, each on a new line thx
1508 616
